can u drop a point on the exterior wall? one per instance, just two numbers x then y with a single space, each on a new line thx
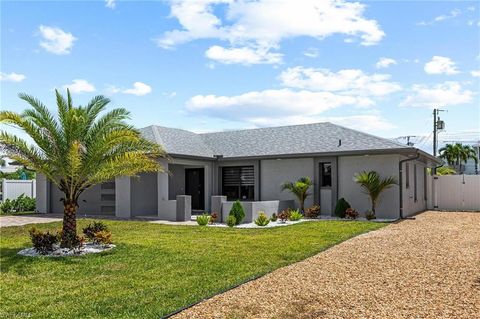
13 188
410 205
176 181
42 194
144 195
275 172
89 202
252 209
385 165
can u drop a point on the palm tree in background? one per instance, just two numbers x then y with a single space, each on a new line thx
456 154
80 147
299 189
373 185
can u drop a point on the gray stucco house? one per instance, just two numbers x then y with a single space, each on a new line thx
209 171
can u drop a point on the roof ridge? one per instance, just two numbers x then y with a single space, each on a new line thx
265 128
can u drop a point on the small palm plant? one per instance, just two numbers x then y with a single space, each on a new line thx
373 185
299 189
78 148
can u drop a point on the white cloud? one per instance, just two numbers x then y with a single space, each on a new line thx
475 73
312 53
139 89
242 55
439 95
170 95
451 15
12 77
110 4
55 40
79 86
441 65
349 81
245 23
268 103
385 63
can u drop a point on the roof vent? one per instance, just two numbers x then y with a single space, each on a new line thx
339 142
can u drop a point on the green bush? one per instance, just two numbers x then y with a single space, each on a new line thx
342 206
295 215
203 219
93 228
369 215
231 221
237 211
43 242
21 204
274 217
262 219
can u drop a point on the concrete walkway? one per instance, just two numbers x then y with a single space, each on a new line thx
6 221
423 268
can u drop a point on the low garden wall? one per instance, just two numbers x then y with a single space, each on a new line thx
251 208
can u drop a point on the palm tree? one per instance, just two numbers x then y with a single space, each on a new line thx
373 185
78 148
456 154
299 189
446 170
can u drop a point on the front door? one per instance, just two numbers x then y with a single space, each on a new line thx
194 186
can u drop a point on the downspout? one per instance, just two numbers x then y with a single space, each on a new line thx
400 179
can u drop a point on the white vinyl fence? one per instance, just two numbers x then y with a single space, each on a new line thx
456 192
12 188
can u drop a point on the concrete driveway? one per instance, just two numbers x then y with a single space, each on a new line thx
423 268
6 221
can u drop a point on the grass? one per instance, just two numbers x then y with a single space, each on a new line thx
155 269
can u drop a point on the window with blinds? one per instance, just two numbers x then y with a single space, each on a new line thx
238 182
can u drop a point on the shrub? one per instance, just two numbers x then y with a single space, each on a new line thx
342 206
351 213
312 212
203 220
274 217
103 237
262 219
73 241
93 228
369 215
213 217
295 215
284 215
237 211
20 204
43 242
231 221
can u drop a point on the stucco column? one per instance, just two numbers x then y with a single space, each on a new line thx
42 194
217 202
123 196
162 189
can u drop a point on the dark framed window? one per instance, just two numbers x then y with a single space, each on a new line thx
238 182
407 175
326 174
415 182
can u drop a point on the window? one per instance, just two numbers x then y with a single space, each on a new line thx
425 183
415 182
325 174
238 183
407 175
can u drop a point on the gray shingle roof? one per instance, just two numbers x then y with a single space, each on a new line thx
284 140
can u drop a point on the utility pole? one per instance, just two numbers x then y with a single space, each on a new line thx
437 125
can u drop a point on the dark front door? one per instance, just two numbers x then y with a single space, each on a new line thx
194 186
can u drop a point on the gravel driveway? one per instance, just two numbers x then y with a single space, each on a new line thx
6 221
423 268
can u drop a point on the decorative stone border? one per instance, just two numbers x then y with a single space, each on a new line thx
65 252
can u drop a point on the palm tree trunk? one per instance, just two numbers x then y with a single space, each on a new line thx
373 207
69 228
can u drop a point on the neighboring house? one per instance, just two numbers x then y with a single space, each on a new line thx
215 169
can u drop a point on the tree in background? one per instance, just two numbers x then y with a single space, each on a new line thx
456 154
78 148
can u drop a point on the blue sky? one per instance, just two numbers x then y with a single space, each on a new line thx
378 66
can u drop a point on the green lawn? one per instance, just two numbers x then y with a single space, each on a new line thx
155 269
